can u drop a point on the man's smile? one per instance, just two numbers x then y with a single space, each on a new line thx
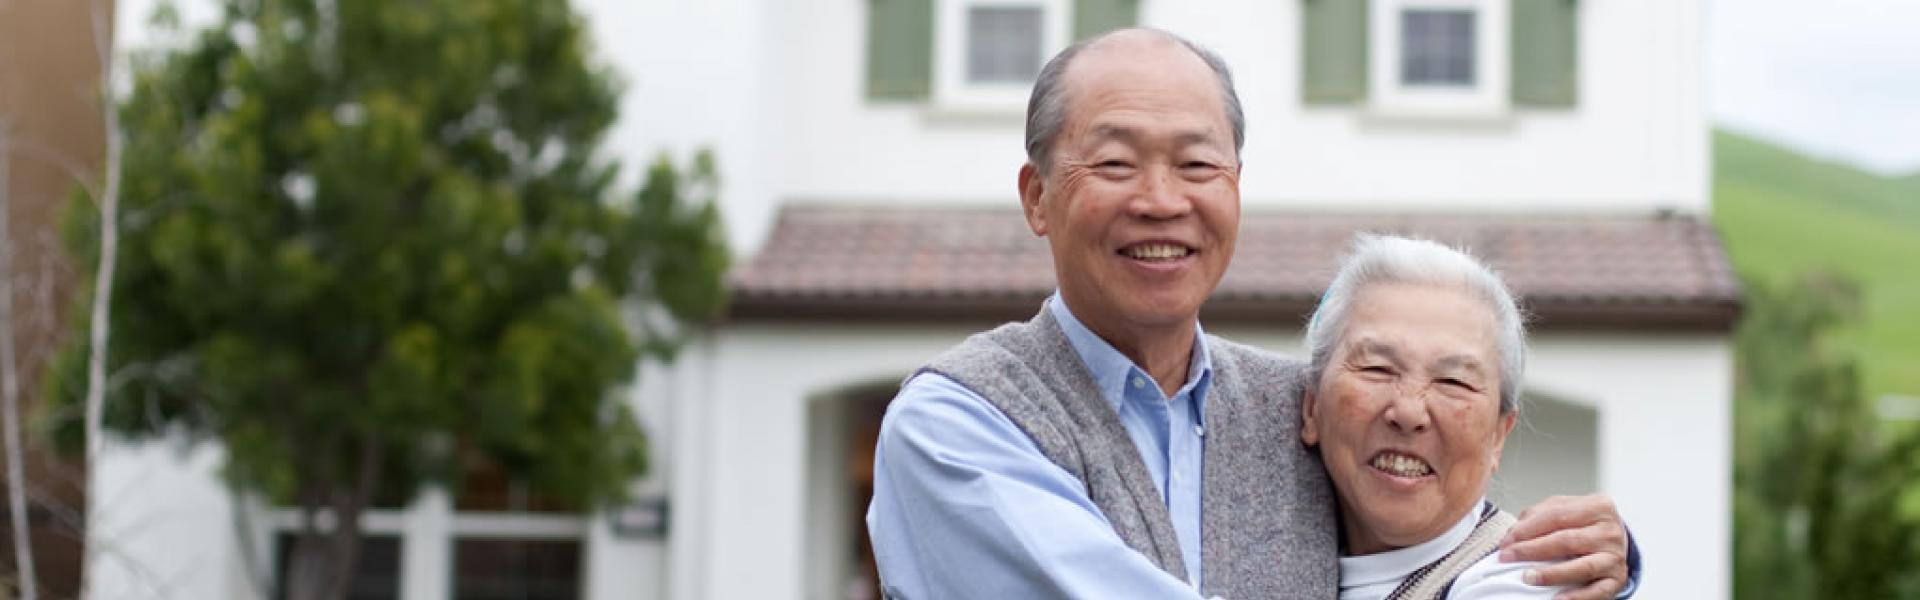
1157 251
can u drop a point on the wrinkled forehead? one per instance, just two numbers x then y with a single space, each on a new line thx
1437 326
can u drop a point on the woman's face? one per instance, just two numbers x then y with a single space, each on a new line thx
1407 414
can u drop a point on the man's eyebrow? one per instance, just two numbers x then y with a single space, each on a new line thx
1127 134
1106 131
1194 138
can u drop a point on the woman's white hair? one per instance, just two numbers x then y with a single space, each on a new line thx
1386 259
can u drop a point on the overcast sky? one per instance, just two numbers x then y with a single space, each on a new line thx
1835 78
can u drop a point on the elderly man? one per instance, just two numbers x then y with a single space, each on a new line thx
1107 448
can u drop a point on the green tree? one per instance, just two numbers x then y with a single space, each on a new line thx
368 244
1818 478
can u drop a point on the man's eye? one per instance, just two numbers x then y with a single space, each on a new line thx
1114 165
1376 370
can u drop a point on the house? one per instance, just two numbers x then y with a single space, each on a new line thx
868 151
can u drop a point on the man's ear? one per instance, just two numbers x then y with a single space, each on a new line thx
1309 424
1032 187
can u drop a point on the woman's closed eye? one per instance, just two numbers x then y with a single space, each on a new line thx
1458 384
1375 371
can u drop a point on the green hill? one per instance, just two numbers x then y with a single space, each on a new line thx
1781 212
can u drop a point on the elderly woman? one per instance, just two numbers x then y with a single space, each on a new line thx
1417 353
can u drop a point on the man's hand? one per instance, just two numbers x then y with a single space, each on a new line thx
1586 532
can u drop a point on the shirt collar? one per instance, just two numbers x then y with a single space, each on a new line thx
1394 565
1110 369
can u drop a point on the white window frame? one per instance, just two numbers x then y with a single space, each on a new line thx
1487 98
428 528
951 89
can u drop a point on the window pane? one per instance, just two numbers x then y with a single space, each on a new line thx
1436 47
376 573
516 570
1003 44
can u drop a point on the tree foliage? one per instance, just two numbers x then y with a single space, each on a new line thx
1819 479
368 244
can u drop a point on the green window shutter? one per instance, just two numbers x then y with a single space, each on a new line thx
1333 65
1546 39
1094 17
899 49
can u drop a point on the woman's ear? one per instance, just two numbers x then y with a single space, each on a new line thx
1507 421
1309 421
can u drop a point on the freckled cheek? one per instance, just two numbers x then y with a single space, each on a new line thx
1358 402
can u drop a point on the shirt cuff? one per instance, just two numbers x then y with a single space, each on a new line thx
1633 569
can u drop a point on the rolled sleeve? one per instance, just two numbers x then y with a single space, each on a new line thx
966 505
1490 579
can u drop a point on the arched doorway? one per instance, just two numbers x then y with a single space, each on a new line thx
1554 450
842 428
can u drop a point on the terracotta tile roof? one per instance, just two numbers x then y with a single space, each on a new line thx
1577 271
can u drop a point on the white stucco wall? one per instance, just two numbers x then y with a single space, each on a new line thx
163 524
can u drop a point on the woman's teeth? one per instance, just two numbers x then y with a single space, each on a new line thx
1402 465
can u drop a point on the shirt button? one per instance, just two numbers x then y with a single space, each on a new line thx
1200 431
1139 382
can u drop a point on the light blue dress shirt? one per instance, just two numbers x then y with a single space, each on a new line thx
965 505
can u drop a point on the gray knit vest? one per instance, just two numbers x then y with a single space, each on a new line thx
1267 523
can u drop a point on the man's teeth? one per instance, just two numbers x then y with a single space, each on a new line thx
1157 251
1402 465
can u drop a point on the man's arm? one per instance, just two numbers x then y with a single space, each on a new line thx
1600 561
966 506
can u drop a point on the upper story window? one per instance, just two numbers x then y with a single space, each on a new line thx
1433 58
1437 48
975 55
1004 43
1440 58
988 52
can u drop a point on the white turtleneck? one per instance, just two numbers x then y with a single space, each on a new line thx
1373 576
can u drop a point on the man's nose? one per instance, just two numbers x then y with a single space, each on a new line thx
1160 196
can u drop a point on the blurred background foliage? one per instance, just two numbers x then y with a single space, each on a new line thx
1827 487
368 245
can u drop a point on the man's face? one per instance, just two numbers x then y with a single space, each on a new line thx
1407 413
1141 203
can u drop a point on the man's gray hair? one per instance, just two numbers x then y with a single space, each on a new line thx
1383 259
1047 107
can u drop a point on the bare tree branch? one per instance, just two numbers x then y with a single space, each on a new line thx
10 392
103 275
73 169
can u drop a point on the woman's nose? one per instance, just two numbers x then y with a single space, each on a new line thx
1407 412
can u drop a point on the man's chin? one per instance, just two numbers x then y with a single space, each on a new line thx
1154 312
